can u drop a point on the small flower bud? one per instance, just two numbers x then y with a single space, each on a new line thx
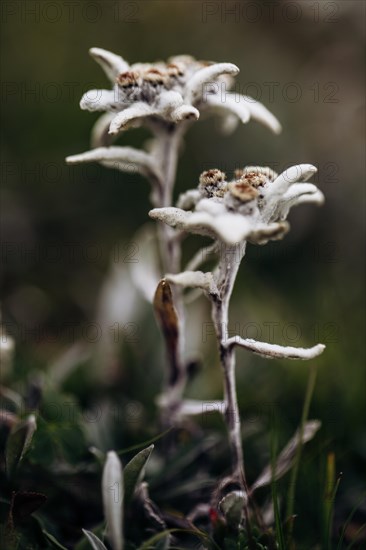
175 69
128 79
260 171
212 183
154 77
254 179
242 190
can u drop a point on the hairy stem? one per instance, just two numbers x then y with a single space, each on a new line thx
170 249
228 268
169 141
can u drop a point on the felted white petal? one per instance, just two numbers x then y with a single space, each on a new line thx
313 198
126 159
228 104
262 233
195 86
293 196
136 111
194 279
99 100
294 174
170 105
271 351
229 227
111 63
199 223
169 100
282 208
260 113
298 189
184 112
233 228
212 206
175 217
189 199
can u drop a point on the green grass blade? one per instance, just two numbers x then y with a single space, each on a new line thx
348 520
278 524
144 444
294 474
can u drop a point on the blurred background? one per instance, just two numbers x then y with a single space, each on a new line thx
69 244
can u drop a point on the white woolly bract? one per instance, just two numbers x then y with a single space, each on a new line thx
218 223
195 86
133 113
229 106
261 114
194 279
294 174
125 159
272 351
111 63
98 100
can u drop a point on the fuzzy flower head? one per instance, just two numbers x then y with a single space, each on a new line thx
253 206
171 91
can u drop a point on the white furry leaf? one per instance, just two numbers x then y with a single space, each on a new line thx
113 492
272 351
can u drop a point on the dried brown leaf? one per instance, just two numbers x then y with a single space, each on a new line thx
168 320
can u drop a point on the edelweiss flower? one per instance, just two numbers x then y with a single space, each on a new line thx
253 206
171 92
